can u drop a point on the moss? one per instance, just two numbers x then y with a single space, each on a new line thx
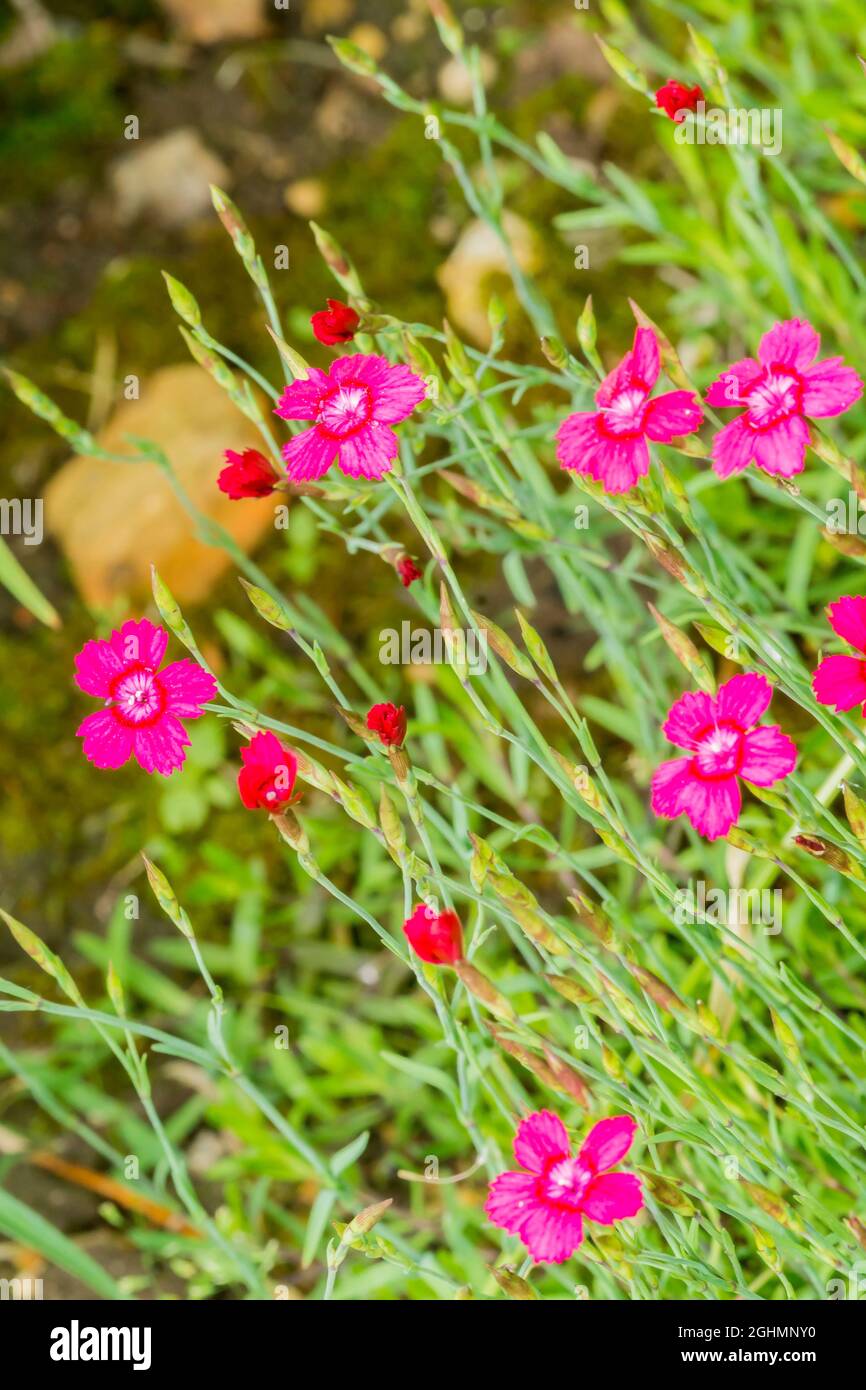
67 110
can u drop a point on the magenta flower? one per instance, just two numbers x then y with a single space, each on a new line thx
267 779
724 745
143 706
779 391
407 570
840 681
246 474
675 97
436 937
546 1205
353 406
336 324
610 444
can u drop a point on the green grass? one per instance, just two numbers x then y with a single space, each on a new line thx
334 1061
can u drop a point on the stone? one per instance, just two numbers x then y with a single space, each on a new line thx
478 254
327 15
168 179
370 40
455 83
305 197
114 520
211 21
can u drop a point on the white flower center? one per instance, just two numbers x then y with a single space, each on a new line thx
138 696
718 753
345 411
625 413
773 399
566 1181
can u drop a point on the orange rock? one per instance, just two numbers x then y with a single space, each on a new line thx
217 20
478 254
167 179
114 520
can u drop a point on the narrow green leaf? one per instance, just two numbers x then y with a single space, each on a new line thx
24 1225
15 578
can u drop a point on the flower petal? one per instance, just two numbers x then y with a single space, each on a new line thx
618 463
743 699
645 364
830 388
781 450
615 463
509 1199
688 717
672 415
768 755
188 687
840 681
712 807
540 1137
395 389
370 453
107 742
730 387
733 448
612 1197
96 665
309 455
847 617
669 783
576 438
607 1142
140 641
551 1234
793 343
251 779
263 747
302 398
161 748
639 367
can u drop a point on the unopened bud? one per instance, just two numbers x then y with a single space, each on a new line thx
292 831
479 986
829 853
512 1284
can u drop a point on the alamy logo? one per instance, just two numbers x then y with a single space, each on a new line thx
850 1286
76 1343
22 516
729 906
844 516
20 1289
423 647
713 125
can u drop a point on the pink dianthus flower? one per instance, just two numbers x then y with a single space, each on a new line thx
840 680
143 705
779 391
352 407
610 444
724 744
546 1205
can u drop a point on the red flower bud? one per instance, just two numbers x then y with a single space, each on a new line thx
435 937
674 98
336 324
407 569
247 475
267 779
389 722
